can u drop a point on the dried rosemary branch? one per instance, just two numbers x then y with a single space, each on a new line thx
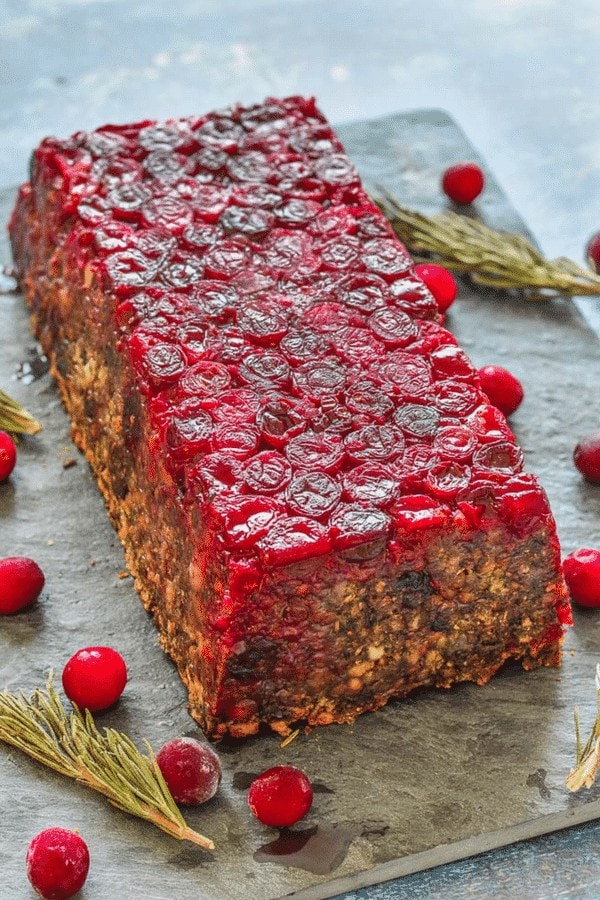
107 762
492 258
14 418
588 756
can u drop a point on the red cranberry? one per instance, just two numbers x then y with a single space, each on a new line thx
57 861
592 251
94 678
21 582
504 390
582 574
586 456
463 182
8 455
440 282
280 796
191 769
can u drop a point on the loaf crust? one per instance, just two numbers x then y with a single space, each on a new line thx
319 506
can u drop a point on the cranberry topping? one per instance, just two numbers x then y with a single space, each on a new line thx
455 442
236 438
264 368
205 377
316 451
404 374
522 503
313 494
245 520
365 398
363 292
301 345
261 321
190 429
392 326
374 442
267 473
293 539
415 420
227 259
161 363
417 511
355 525
320 378
280 419
214 472
371 484
169 212
501 455
385 257
446 479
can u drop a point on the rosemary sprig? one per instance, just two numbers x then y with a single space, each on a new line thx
107 761
14 418
496 259
588 755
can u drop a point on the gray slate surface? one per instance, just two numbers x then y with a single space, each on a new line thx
436 777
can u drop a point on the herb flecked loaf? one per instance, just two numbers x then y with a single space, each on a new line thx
320 507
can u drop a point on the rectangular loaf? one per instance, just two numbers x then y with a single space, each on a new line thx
320 507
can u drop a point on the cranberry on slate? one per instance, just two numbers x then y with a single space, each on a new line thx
21 582
57 862
586 456
582 574
94 678
191 769
440 282
463 182
504 390
592 251
280 796
8 455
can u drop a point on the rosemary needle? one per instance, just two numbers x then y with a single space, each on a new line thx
107 761
496 259
14 418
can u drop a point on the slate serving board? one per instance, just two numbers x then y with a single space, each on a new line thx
437 777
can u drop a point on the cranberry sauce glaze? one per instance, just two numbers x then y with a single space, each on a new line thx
320 505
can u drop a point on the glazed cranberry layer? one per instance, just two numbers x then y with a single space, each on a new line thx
288 352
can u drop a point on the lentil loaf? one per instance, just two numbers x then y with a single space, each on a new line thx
319 505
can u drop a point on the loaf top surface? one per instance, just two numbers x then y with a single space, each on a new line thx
297 377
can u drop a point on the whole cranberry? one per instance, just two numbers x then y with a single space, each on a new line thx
191 769
57 862
582 574
592 251
463 182
440 282
504 390
21 582
280 796
94 678
8 455
586 456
